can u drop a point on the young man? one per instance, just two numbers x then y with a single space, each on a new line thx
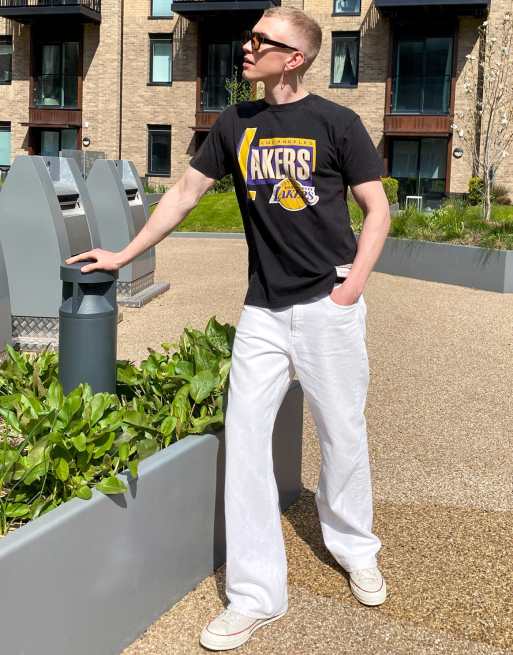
292 156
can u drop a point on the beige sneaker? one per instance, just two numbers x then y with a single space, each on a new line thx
368 586
230 629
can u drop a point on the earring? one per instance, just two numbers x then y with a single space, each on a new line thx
282 85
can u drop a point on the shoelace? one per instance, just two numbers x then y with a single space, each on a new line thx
368 575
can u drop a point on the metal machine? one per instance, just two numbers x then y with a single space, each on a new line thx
45 216
121 209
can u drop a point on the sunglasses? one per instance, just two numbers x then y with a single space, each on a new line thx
257 38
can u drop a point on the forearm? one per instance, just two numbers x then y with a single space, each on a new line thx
173 207
370 244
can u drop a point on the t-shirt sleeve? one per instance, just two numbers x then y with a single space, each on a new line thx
359 160
213 157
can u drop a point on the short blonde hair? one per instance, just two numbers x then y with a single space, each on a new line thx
304 24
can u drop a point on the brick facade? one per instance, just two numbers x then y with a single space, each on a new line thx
116 113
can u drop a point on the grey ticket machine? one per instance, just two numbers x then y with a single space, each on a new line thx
45 216
5 307
121 210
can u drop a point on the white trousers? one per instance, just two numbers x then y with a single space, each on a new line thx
324 343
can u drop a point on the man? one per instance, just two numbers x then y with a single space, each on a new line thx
292 156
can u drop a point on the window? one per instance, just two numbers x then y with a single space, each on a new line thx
161 58
422 75
161 8
5 144
159 150
5 59
346 7
344 59
56 84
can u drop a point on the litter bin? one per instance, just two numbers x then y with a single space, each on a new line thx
88 328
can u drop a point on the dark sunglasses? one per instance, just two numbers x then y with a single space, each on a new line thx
257 38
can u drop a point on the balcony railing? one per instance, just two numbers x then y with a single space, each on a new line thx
421 95
26 11
56 91
194 9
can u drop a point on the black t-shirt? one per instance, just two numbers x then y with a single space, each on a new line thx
291 165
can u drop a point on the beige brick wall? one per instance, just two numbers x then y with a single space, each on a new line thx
368 98
14 97
100 104
163 105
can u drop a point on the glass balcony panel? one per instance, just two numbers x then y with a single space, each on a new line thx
421 95
56 91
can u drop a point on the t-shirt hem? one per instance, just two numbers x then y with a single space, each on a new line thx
326 287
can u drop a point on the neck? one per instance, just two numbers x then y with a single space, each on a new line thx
292 91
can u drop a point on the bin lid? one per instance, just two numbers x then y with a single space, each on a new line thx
72 273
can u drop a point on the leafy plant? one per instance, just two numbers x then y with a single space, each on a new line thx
54 447
391 187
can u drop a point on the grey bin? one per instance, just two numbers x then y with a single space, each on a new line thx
5 306
45 217
121 208
88 329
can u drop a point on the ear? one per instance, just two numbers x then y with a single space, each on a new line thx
296 60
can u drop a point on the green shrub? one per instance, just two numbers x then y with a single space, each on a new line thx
500 195
475 190
223 185
54 447
391 186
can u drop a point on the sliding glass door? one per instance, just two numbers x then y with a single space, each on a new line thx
420 167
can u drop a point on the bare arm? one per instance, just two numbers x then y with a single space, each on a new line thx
373 201
173 207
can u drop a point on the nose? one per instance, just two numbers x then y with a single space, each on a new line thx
246 47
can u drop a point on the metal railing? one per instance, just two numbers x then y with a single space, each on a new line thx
421 95
94 5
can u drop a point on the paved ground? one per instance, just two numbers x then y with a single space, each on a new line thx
440 424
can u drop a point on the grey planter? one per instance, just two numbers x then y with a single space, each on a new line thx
88 577
468 266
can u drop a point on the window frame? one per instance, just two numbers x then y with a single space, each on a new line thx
160 16
347 13
157 128
346 33
7 39
6 126
160 36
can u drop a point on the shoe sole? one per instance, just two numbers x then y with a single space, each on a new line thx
369 598
244 638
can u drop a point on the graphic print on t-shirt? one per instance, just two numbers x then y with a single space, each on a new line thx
288 163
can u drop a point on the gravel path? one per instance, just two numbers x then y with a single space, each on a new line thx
439 418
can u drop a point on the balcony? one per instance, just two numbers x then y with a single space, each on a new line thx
200 9
28 11
400 8
421 94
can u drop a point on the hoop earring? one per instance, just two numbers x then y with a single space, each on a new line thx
282 81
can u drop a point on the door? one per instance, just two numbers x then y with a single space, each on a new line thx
419 164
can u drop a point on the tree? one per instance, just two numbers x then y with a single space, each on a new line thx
486 126
238 90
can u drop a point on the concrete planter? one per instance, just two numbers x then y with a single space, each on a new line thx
89 577
468 266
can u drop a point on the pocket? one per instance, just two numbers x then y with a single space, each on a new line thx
341 307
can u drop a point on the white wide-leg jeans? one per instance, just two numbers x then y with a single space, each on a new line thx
324 343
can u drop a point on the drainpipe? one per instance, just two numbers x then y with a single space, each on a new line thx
121 78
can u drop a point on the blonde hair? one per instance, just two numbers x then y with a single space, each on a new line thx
305 25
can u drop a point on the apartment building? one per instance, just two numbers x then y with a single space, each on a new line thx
145 79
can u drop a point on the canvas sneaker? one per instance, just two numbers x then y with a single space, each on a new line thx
231 629
368 586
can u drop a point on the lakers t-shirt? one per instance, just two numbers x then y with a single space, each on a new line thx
291 165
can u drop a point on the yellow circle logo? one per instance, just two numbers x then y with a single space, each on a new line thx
288 197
